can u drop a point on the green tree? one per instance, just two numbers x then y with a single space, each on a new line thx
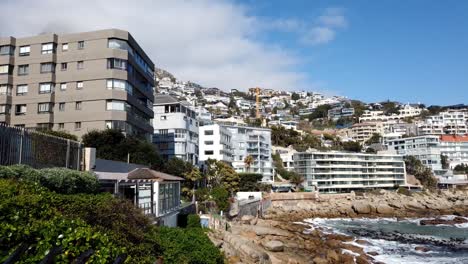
248 182
352 146
295 96
296 179
248 161
444 161
375 139
461 168
62 134
415 167
177 167
221 197
220 174
320 112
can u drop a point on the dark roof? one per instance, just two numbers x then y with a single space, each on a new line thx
162 99
112 166
148 174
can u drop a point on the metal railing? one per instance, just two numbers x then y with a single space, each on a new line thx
38 150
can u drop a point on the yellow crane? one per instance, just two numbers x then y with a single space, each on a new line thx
257 101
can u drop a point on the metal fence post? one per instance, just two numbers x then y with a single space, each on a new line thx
68 154
20 158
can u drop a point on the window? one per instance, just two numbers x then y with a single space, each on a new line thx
47 67
47 48
79 85
63 86
61 126
20 109
6 69
80 65
43 108
116 64
63 66
45 88
80 44
7 50
115 84
65 47
209 152
24 50
78 105
209 142
163 132
77 125
180 133
61 107
116 105
23 69
119 44
5 89
163 117
21 89
4 109
208 132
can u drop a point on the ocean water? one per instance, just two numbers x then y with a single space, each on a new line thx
395 240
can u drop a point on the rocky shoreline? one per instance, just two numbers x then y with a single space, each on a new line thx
281 237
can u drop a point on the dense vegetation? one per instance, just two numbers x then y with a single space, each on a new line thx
461 168
422 173
73 219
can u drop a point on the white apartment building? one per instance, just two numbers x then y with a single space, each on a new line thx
233 143
379 116
455 147
338 172
361 132
424 148
215 143
448 122
175 129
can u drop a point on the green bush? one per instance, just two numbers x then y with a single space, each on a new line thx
221 197
249 181
193 220
60 180
190 245
202 194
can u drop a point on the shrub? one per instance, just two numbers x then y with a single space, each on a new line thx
202 194
68 181
403 191
221 197
189 245
249 181
193 220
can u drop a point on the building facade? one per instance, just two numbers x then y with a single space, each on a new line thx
455 147
175 129
361 132
336 172
215 143
77 82
424 148
448 122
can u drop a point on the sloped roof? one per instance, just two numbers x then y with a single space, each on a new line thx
148 174
161 99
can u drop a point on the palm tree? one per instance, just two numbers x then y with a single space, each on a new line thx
248 162
296 179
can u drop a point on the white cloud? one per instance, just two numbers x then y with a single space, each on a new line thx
212 42
325 28
318 35
333 17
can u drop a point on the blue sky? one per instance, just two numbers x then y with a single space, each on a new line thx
411 51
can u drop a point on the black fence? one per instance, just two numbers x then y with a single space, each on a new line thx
36 149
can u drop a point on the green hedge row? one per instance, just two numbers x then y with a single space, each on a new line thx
60 180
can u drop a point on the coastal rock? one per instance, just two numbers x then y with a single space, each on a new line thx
384 209
439 221
362 207
320 260
264 231
422 249
274 246
373 253
246 219
332 256
362 242
414 205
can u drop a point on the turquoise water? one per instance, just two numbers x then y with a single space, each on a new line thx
395 240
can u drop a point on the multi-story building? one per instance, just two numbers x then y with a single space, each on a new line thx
455 147
286 155
175 129
339 112
336 172
379 116
448 122
424 148
77 82
362 132
233 143
215 143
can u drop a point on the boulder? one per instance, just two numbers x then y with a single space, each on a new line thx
246 219
320 260
362 242
361 207
414 205
422 249
274 246
439 221
384 209
373 253
332 256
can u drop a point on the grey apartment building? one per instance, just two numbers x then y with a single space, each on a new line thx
77 82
